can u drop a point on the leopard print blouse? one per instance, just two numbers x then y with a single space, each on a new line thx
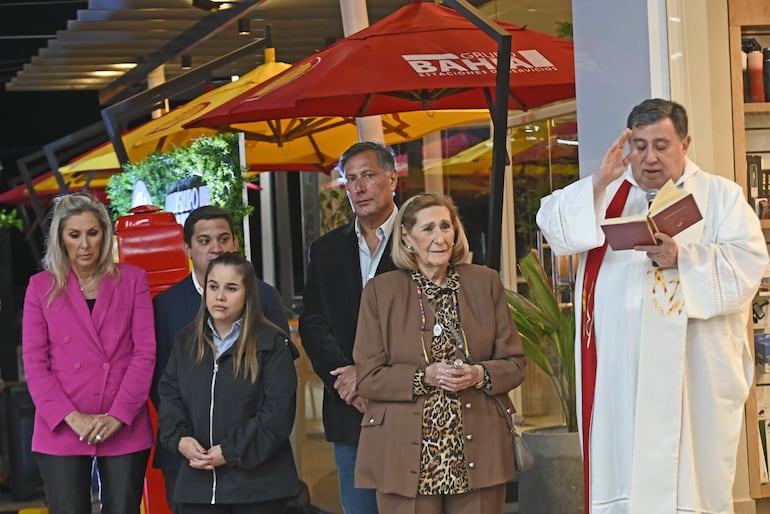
442 456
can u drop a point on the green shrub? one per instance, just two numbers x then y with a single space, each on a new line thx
212 158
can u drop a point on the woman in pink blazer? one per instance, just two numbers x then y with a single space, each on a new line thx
89 354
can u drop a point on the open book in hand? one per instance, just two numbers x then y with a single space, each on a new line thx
670 212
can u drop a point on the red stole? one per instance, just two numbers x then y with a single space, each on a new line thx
587 342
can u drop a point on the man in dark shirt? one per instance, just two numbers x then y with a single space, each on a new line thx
339 265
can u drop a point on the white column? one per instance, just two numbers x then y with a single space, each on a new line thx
432 163
245 222
155 78
700 80
508 263
355 18
266 223
619 61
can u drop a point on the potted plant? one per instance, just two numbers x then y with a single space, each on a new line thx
547 330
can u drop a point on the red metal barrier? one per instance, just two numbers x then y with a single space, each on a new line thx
153 241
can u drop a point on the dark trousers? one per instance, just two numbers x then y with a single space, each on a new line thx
169 479
67 482
489 500
271 507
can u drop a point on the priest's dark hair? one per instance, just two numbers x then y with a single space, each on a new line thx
653 110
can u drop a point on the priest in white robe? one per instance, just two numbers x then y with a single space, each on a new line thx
662 351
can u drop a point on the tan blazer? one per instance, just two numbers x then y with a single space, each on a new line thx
387 353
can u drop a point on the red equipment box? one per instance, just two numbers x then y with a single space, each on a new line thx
153 241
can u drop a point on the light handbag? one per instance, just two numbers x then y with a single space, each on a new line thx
524 459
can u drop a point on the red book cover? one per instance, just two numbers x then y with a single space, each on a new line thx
671 212
676 217
628 233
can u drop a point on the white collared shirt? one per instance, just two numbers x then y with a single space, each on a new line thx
369 262
198 286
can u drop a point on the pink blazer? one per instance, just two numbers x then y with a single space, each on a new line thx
100 362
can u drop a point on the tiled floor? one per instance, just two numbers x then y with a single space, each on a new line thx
317 463
317 467
8 504
314 455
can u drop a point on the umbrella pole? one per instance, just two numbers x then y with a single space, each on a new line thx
500 121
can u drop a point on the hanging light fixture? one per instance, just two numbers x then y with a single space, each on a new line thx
213 5
186 62
206 5
244 27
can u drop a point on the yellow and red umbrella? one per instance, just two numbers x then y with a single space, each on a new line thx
47 187
307 143
423 56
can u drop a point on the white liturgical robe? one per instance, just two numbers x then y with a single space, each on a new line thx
674 364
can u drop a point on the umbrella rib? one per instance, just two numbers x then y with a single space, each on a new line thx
424 96
279 133
297 128
367 100
275 129
398 126
318 152
309 126
161 142
488 98
517 101
260 138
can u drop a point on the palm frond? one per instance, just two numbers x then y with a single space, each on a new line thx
547 332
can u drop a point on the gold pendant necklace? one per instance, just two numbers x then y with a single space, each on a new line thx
461 341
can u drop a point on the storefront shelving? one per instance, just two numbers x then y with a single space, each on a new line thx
751 135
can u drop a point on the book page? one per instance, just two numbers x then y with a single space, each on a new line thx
667 195
624 219
677 211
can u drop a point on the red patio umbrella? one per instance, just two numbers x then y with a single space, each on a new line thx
423 56
47 188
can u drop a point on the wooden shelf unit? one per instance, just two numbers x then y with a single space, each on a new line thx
749 18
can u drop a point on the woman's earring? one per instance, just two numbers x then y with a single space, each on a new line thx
410 248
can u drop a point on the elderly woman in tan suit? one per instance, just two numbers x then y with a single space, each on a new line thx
435 344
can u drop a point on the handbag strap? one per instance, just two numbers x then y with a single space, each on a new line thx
505 415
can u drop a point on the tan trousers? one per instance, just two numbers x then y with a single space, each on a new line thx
490 500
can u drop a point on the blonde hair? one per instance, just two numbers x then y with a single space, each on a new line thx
55 259
407 217
253 320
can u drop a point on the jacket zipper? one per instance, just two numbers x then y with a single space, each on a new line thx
211 430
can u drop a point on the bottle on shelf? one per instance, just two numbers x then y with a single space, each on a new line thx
766 72
755 65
